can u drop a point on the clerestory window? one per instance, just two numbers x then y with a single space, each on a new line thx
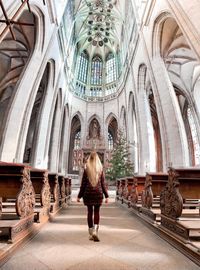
111 69
83 67
96 71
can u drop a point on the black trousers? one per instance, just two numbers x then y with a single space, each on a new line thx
93 216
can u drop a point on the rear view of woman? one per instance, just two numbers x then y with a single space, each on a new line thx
92 190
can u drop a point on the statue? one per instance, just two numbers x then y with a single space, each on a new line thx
94 129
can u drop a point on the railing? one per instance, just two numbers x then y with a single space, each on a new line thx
97 93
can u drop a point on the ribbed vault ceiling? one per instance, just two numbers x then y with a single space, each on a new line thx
98 26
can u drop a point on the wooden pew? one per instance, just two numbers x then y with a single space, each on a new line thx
183 184
127 190
55 192
154 184
16 187
117 189
62 191
121 189
41 186
68 189
136 191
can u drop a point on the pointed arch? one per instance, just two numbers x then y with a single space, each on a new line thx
64 141
41 27
142 77
79 115
14 57
94 127
132 130
53 154
123 124
36 112
75 142
180 62
113 128
110 117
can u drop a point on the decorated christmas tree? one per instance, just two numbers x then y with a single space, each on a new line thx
120 164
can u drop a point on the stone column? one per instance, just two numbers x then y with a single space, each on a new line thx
178 154
18 112
143 140
40 159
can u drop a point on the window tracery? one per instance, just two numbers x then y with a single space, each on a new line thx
111 69
83 67
96 71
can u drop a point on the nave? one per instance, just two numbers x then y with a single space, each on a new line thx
126 244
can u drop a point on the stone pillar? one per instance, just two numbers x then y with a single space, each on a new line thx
54 145
18 112
143 141
178 154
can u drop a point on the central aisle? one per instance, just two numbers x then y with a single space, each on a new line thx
126 244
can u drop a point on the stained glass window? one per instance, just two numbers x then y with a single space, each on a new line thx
83 67
111 69
194 137
110 141
96 71
77 141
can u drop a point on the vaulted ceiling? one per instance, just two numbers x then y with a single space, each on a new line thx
98 26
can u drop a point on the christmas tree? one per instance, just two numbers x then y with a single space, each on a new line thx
120 164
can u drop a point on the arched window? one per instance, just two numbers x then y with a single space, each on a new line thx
77 141
111 68
82 67
96 71
110 141
74 160
76 152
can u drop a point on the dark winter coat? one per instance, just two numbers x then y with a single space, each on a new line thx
92 195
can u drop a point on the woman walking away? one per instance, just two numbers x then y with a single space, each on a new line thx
92 190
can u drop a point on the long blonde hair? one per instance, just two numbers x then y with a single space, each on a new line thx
93 168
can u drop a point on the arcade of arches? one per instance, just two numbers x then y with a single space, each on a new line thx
73 72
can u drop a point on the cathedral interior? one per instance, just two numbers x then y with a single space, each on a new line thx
72 74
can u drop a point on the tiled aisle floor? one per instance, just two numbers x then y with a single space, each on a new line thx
126 244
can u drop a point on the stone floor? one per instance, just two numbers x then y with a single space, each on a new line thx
126 244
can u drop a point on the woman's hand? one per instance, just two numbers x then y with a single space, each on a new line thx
78 199
106 200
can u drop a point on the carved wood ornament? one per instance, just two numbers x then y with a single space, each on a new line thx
171 201
147 194
45 192
25 201
134 192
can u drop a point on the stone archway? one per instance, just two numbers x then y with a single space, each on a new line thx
75 135
35 117
14 57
